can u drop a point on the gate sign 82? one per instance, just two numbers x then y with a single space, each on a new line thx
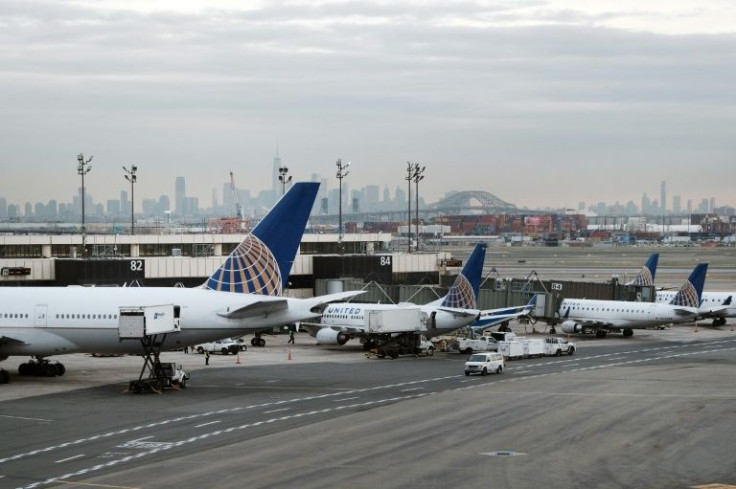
136 265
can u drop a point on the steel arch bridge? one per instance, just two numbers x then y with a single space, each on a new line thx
462 201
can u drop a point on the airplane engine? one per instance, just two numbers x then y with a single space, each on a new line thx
327 336
571 327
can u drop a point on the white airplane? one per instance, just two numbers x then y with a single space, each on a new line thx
713 305
601 316
342 322
242 296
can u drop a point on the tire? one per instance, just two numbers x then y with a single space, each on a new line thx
484 372
558 353
224 351
261 342
253 342
430 352
60 369
467 373
570 351
200 350
468 351
499 369
4 377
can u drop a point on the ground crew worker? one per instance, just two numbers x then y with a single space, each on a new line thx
206 357
291 337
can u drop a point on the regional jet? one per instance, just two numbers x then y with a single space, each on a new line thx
601 316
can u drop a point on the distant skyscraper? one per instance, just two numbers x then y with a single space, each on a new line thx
663 196
676 205
180 195
275 184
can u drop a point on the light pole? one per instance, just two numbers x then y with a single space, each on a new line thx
342 172
408 177
132 178
284 179
83 167
418 176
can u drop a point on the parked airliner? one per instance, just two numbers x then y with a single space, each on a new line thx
458 308
713 305
601 316
242 296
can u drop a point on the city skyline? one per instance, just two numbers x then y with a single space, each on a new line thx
369 197
544 104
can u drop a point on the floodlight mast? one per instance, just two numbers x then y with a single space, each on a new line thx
132 178
83 167
284 178
342 172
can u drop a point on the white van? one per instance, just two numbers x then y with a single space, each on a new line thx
484 363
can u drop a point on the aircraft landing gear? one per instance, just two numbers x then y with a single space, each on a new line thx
719 321
41 367
257 340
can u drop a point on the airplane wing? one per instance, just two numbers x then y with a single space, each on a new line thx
457 312
490 317
686 311
263 306
266 305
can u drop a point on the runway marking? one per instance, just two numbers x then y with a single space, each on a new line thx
87 484
207 424
346 399
167 446
24 418
363 390
70 458
276 410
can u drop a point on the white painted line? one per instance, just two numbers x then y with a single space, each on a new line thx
275 410
27 419
206 424
412 389
70 458
346 399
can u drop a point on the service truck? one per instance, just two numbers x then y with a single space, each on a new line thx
521 347
480 343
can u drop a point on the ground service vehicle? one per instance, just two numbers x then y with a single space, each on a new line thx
484 363
224 346
481 343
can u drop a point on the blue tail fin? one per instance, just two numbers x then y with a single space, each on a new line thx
464 292
691 291
262 262
646 276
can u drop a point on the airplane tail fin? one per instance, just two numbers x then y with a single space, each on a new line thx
262 261
463 293
691 291
645 277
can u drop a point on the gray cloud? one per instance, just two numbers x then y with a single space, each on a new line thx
548 113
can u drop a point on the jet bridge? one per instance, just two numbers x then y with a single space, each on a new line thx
150 325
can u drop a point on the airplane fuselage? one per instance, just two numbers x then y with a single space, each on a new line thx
45 321
710 301
621 314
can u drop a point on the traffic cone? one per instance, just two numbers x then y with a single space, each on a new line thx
288 357
237 359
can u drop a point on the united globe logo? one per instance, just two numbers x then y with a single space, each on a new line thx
461 294
250 268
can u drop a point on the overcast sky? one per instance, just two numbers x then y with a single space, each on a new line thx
544 103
